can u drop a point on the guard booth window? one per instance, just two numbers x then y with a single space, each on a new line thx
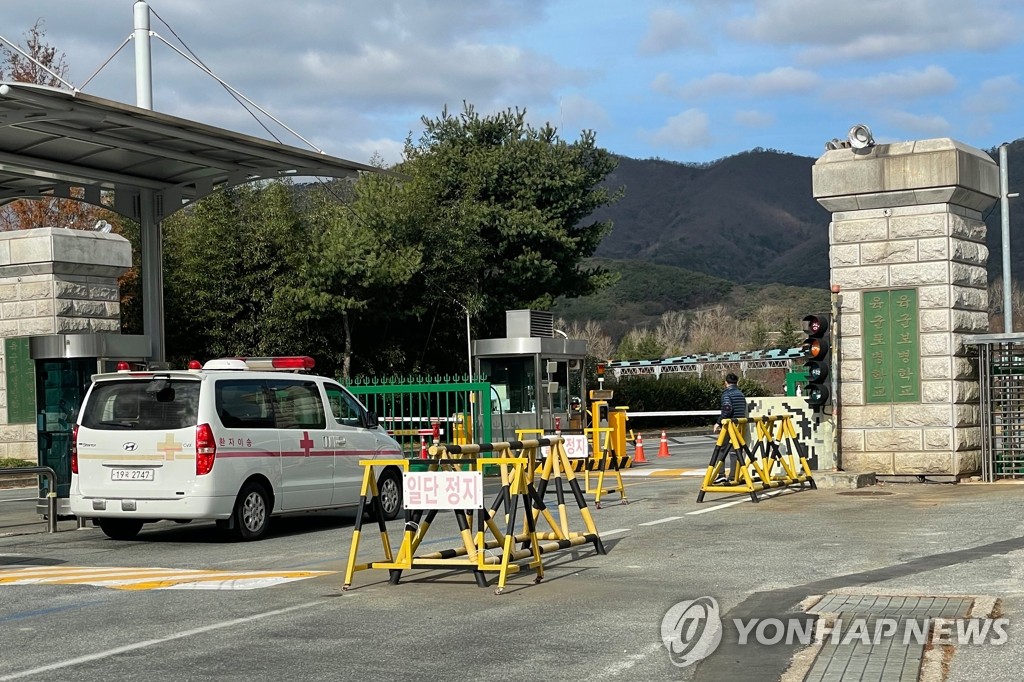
514 380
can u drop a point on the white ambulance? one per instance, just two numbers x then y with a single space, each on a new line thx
234 440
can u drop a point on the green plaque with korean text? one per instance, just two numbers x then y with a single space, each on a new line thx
892 346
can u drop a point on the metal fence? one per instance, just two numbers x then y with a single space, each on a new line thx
409 408
1001 374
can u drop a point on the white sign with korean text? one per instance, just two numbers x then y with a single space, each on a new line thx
443 490
576 446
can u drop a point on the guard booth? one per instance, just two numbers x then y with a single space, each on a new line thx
536 374
61 322
48 385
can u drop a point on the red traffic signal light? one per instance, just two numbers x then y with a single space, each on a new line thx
818 361
815 326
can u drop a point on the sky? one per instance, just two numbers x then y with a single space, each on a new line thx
682 80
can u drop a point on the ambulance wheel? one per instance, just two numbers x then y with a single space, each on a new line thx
389 489
252 512
120 529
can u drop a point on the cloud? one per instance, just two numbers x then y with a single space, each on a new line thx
903 85
878 29
686 130
994 95
919 126
669 31
751 118
784 80
389 151
577 113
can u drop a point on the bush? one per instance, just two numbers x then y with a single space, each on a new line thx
14 463
677 394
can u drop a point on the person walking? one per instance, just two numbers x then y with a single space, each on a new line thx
733 406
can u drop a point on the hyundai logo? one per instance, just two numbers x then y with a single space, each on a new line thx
129 447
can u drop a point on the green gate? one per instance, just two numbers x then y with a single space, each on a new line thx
410 407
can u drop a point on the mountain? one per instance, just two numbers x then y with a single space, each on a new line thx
645 291
684 235
747 218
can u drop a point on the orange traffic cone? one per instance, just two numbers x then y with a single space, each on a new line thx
423 448
663 449
638 453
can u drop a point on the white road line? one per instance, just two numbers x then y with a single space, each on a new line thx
664 520
153 642
730 504
615 669
614 530
717 506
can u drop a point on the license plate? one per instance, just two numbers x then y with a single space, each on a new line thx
131 474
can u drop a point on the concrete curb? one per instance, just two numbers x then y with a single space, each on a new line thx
843 480
29 481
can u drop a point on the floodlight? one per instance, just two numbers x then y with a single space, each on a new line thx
860 137
102 226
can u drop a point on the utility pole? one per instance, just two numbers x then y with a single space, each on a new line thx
1004 205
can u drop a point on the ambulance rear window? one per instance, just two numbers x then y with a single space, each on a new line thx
158 404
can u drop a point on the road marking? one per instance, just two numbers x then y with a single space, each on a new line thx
153 642
614 530
730 504
662 471
664 520
120 578
628 662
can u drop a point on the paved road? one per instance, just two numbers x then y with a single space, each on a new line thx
183 602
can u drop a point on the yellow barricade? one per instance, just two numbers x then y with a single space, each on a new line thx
762 467
497 553
603 460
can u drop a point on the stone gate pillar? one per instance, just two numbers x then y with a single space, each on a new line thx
907 248
52 281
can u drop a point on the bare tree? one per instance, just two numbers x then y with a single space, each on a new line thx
46 211
599 344
995 306
671 332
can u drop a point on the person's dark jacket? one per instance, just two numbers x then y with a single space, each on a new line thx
734 404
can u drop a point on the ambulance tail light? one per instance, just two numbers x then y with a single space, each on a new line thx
206 449
74 449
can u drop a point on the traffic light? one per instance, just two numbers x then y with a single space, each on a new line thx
819 353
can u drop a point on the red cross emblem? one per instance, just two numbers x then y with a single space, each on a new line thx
306 443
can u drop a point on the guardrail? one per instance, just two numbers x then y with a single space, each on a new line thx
51 498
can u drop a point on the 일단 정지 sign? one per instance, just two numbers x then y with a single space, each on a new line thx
443 489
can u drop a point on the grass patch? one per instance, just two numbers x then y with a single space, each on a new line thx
14 463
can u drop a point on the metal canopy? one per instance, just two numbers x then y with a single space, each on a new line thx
53 141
